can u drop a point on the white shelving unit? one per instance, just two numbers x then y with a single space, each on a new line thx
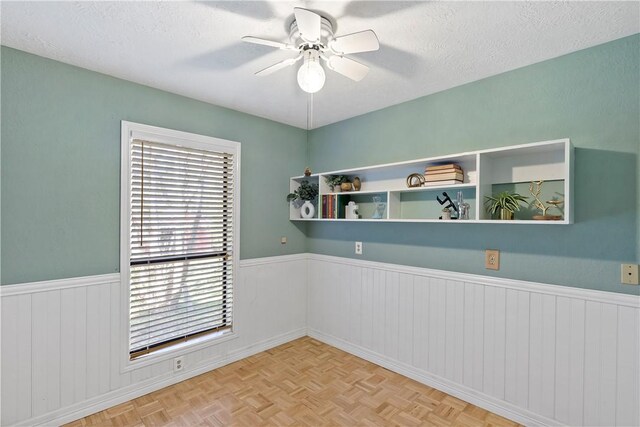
486 172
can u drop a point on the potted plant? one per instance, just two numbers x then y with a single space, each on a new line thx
306 193
504 204
335 182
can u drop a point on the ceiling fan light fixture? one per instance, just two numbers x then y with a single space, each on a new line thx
311 75
312 36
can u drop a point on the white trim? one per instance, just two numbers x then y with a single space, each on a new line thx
113 398
541 288
129 131
557 290
489 403
102 279
179 349
435 221
274 259
171 136
51 285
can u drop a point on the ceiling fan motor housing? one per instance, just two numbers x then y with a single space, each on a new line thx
326 33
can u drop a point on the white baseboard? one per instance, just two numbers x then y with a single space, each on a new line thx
489 403
108 400
69 414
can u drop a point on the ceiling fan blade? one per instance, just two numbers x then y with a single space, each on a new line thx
363 41
308 24
275 67
265 42
347 67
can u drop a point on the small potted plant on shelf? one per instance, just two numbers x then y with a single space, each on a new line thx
504 204
338 182
303 196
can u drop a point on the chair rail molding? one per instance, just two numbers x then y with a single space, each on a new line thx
542 288
58 284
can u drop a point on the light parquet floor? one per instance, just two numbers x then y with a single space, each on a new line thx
301 383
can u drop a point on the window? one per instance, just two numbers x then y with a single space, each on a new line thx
181 205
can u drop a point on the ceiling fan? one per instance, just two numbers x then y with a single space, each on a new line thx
311 35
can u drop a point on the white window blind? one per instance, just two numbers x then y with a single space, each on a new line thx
181 244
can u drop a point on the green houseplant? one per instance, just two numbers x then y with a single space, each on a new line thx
306 192
335 181
504 204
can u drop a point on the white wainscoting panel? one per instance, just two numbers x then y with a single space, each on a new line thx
538 354
535 353
60 340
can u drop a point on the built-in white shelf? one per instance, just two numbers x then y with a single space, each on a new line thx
486 172
471 221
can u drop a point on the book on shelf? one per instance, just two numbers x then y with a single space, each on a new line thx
341 207
449 166
333 207
445 176
324 206
444 182
330 212
328 206
442 172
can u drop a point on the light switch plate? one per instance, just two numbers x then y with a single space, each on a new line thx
629 274
283 240
492 259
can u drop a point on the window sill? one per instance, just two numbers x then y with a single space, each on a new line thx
178 349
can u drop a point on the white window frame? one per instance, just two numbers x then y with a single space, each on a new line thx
130 131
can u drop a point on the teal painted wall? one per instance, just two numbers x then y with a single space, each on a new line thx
61 146
591 96
60 159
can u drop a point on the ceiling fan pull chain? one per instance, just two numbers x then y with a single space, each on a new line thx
309 111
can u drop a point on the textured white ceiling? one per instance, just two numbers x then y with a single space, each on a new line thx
194 48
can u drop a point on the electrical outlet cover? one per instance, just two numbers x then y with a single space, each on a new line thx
178 364
358 248
492 259
629 274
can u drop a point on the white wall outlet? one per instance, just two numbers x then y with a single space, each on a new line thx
492 259
358 248
283 240
178 364
629 274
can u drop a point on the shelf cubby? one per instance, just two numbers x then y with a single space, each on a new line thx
294 208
